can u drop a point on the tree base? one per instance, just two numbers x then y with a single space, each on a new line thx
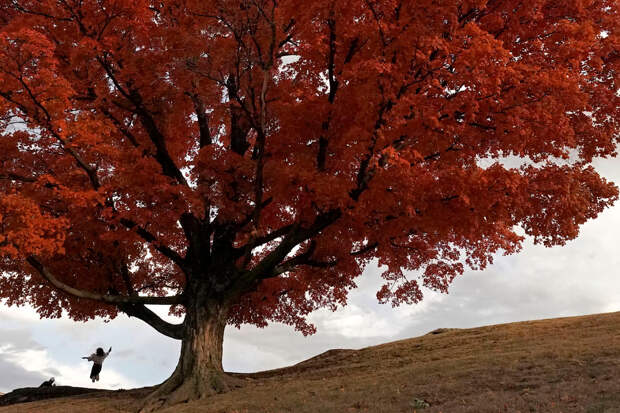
179 389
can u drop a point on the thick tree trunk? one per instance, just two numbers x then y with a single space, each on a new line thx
199 372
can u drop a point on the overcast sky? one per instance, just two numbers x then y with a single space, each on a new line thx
582 277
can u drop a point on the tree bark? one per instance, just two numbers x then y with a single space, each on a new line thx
199 372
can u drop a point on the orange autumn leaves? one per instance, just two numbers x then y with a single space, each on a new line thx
430 131
25 230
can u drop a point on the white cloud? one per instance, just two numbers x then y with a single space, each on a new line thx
354 322
32 358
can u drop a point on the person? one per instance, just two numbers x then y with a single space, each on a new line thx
48 383
97 358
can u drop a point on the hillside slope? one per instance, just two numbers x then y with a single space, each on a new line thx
559 365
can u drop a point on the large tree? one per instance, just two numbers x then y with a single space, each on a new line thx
241 161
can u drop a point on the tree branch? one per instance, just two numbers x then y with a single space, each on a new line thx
258 241
365 249
124 270
125 131
151 239
259 153
105 298
203 120
145 314
295 236
333 88
15 177
47 123
299 260
162 156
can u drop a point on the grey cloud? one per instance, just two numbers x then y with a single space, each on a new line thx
13 342
16 339
14 376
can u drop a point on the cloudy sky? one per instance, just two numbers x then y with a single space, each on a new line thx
582 277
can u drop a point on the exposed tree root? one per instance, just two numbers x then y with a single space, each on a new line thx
177 390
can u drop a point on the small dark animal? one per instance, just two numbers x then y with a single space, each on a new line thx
48 383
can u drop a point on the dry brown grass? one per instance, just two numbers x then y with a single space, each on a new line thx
560 365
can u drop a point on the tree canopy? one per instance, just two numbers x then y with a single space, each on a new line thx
260 153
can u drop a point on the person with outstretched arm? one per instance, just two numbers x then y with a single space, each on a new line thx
97 358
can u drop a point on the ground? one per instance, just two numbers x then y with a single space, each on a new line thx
560 365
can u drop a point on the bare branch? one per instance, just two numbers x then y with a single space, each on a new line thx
125 131
15 177
105 298
47 124
124 270
151 239
298 261
295 236
258 241
365 249
162 156
203 120
145 314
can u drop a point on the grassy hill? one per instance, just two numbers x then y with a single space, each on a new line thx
560 365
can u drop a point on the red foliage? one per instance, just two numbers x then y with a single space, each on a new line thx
276 149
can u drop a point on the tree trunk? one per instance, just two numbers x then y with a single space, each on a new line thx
199 372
